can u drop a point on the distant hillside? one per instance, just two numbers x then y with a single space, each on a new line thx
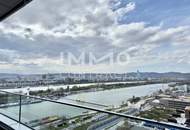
165 75
155 75
7 75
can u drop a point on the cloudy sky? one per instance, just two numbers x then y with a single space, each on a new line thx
155 35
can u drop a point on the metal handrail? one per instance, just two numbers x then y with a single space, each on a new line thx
164 124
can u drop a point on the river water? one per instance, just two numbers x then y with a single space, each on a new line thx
109 97
117 96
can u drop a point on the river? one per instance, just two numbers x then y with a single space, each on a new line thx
107 97
117 96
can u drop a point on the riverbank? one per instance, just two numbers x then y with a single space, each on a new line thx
117 96
25 102
62 92
113 97
55 87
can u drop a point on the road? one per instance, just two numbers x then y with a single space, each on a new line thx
111 121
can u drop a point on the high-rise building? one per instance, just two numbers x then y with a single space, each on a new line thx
138 75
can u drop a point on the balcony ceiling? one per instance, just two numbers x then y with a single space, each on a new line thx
8 7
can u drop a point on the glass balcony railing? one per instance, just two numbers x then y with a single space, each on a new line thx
44 114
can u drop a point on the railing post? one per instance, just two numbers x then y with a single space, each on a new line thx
20 106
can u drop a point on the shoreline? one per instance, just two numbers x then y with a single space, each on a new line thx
55 87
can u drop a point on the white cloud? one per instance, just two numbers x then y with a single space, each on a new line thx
124 10
38 36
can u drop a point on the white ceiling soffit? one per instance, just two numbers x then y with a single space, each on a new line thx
8 7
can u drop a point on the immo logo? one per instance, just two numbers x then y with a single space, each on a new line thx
89 58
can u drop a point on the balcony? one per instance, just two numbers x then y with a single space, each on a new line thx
21 112
7 123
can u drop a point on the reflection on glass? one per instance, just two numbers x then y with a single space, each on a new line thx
9 105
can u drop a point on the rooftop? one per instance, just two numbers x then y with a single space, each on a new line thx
177 100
